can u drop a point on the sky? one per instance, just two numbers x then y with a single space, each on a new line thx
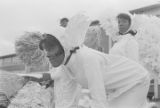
17 16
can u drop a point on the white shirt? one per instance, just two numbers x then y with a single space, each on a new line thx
106 76
127 46
66 90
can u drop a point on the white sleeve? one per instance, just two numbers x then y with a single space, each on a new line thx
95 80
132 50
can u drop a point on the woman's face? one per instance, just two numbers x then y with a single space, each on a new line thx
55 57
123 25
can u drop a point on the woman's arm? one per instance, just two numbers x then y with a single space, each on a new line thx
93 72
44 80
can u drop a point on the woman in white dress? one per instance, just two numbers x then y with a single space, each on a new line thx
113 81
127 44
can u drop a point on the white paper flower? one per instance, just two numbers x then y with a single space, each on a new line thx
27 49
148 30
109 23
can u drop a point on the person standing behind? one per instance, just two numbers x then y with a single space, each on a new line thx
127 45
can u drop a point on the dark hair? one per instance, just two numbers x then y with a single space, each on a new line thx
1 106
95 22
64 19
124 16
50 42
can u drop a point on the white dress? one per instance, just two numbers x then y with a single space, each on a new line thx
127 46
113 81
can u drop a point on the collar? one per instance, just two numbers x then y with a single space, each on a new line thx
133 33
70 54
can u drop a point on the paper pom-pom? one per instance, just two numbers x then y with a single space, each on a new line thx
27 49
149 41
32 95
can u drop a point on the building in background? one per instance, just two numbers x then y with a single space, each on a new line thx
12 63
149 10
